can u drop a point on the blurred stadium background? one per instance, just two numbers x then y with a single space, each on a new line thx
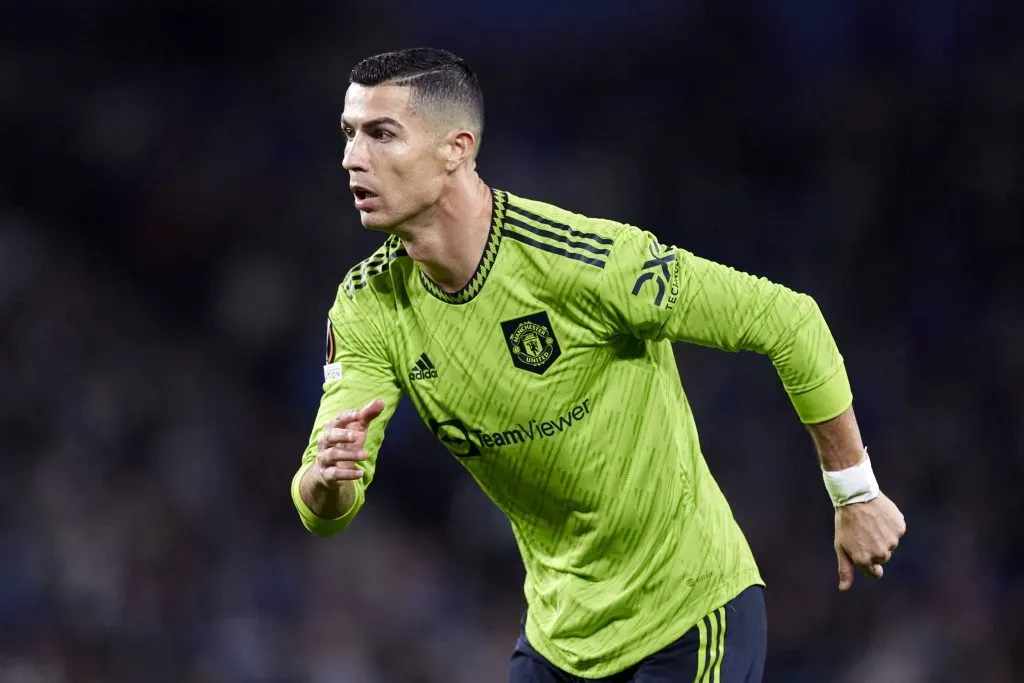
174 222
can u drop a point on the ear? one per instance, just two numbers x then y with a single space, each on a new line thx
460 149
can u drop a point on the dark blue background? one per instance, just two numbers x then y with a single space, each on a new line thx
174 222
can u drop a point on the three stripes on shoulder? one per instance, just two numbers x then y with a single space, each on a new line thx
525 226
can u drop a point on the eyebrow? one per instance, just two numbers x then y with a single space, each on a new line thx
380 120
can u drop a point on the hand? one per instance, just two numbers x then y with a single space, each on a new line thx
340 446
866 536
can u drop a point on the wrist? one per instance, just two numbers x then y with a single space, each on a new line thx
856 484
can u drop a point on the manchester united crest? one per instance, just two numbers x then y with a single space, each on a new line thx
531 341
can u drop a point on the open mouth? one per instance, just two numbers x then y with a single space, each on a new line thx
362 193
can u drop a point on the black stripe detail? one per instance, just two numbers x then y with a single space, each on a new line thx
378 263
553 250
721 639
374 261
718 649
356 285
421 365
430 366
709 650
561 226
369 267
556 237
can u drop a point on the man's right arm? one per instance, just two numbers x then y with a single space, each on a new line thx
327 486
358 371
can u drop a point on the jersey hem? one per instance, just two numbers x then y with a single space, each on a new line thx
645 644
826 401
321 526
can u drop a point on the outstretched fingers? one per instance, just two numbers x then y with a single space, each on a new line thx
371 411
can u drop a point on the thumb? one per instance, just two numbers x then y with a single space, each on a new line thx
845 569
371 410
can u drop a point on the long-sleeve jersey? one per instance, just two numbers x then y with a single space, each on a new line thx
551 378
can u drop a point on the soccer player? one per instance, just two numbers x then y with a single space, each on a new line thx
536 344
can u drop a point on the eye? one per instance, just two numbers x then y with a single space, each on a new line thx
348 132
381 134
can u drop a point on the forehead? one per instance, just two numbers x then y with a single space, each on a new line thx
363 103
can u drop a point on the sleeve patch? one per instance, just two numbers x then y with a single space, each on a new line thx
332 372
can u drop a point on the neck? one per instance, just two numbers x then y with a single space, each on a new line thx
450 242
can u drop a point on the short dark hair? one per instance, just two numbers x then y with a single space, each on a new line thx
438 79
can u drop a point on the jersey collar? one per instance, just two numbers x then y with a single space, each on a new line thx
476 283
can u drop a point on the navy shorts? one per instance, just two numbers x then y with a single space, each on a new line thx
701 654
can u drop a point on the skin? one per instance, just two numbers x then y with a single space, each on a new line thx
421 171
866 534
419 168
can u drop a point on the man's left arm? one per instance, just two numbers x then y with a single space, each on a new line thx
868 526
653 291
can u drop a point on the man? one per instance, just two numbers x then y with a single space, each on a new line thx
536 344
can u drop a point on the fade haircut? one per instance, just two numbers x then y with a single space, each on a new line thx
441 84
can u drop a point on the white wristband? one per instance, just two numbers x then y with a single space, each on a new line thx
855 484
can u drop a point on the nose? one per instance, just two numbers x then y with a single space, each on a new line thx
355 155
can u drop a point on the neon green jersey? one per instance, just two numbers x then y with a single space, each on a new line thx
551 378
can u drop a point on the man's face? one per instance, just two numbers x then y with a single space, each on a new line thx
394 158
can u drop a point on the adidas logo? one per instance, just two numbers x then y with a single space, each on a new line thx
423 369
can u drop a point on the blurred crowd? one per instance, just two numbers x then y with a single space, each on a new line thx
174 222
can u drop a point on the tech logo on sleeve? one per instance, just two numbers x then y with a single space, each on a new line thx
663 277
